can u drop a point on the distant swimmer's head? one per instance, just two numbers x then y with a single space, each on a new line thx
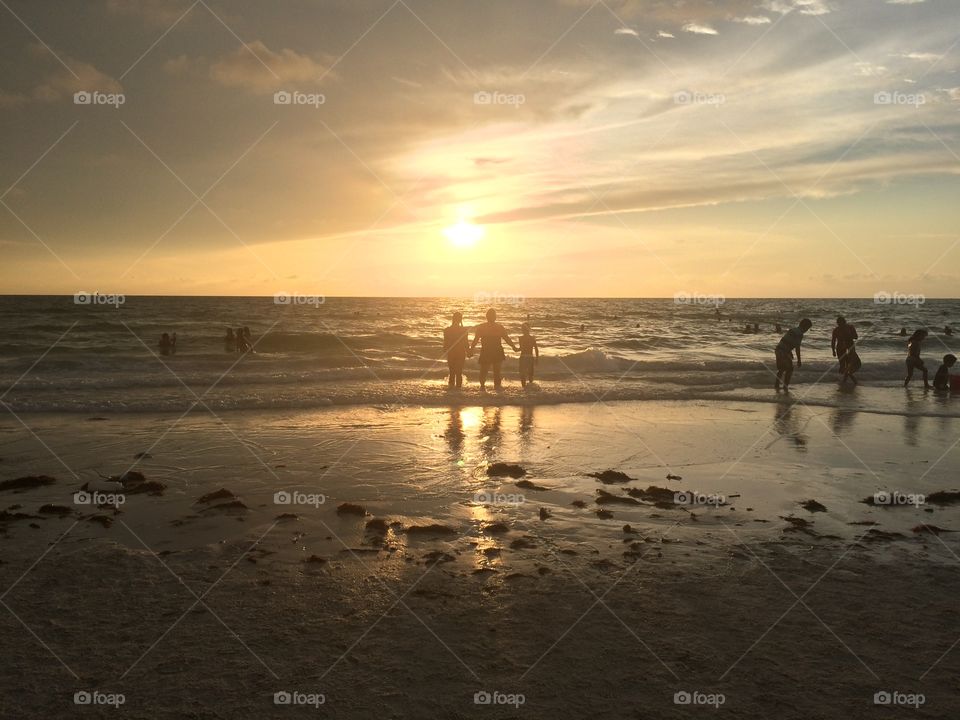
841 320
458 318
491 315
949 360
805 324
526 328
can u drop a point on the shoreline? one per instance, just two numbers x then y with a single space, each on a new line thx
687 591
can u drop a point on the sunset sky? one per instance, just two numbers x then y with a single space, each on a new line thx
533 147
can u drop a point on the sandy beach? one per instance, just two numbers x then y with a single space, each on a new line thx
395 577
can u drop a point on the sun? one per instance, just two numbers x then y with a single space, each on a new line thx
464 234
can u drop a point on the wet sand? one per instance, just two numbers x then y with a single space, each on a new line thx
436 581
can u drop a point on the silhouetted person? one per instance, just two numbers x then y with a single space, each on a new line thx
529 355
229 341
243 342
842 345
456 343
489 335
789 344
941 381
947 330
165 344
903 332
756 327
173 343
914 361
777 328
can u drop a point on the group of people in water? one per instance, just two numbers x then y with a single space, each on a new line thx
490 335
237 341
843 347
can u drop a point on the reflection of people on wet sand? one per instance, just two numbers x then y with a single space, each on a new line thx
489 335
456 344
842 346
529 355
914 361
787 424
789 343
229 341
941 381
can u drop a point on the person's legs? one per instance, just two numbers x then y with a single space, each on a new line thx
451 379
786 378
483 374
909 377
497 380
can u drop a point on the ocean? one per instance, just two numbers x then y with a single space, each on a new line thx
60 356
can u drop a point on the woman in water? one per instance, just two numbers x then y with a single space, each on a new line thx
456 344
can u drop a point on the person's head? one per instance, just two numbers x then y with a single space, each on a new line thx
841 320
949 360
805 324
921 333
165 336
458 318
525 328
491 315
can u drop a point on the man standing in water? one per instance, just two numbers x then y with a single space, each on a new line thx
789 343
841 344
489 335
456 345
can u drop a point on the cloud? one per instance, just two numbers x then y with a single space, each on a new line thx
753 20
626 31
665 34
698 29
260 70
904 2
804 7
56 79
925 57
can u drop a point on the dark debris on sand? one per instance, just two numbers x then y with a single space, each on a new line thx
351 509
500 469
433 529
135 482
609 477
221 494
605 498
529 485
26 483
813 506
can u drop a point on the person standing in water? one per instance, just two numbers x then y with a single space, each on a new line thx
529 355
489 335
841 345
456 343
914 361
789 343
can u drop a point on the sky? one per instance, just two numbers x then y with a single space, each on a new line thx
560 148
